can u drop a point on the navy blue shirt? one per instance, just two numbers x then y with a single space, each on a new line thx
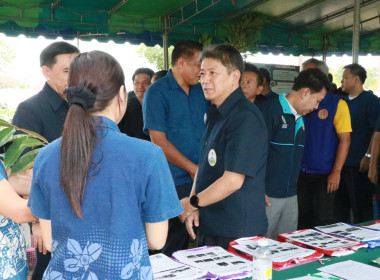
168 109
261 98
364 111
129 185
132 122
44 113
235 140
286 140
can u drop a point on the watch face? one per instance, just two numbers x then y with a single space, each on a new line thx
194 201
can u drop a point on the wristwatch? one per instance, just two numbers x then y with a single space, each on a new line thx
194 200
368 155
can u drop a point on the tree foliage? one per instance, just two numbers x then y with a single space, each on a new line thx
155 55
24 140
6 55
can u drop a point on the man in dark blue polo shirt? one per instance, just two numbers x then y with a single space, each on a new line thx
174 109
227 200
355 190
286 132
45 113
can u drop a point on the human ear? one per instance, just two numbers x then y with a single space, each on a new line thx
46 72
236 77
122 94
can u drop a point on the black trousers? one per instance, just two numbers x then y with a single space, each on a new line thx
178 237
355 193
315 205
41 265
205 239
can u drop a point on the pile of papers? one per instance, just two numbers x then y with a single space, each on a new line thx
282 254
361 234
217 261
322 242
166 268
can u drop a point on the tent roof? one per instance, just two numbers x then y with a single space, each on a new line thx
287 26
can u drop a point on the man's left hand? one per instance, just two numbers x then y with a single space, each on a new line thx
333 181
189 209
364 164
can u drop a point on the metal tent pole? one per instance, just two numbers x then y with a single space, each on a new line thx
165 45
356 32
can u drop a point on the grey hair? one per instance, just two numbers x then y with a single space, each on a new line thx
320 64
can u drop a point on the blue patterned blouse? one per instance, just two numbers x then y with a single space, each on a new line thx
129 185
13 260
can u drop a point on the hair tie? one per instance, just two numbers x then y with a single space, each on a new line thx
80 95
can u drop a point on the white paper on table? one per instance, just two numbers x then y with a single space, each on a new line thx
352 270
318 239
352 232
279 251
310 277
374 226
165 268
215 260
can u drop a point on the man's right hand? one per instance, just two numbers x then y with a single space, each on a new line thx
192 220
37 237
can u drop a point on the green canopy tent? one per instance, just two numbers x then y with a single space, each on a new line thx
309 27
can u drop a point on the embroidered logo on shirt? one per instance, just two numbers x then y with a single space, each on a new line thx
322 114
212 157
283 119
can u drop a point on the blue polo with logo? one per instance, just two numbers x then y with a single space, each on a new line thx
286 144
168 109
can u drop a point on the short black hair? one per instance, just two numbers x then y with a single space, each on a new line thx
312 78
357 70
226 54
147 71
160 74
185 48
265 74
49 54
249 67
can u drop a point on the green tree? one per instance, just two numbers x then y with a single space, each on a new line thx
6 56
155 55
372 81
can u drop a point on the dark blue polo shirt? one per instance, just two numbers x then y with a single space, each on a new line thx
167 108
364 111
235 140
261 99
44 113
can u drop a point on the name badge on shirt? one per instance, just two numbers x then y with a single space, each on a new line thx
212 157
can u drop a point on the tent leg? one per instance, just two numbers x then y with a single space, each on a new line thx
166 53
165 45
356 32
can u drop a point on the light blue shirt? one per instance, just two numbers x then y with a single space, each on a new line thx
129 185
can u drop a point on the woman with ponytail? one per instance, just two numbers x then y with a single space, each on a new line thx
103 198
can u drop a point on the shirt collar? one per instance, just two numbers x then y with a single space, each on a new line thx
53 97
287 108
171 81
107 123
230 102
